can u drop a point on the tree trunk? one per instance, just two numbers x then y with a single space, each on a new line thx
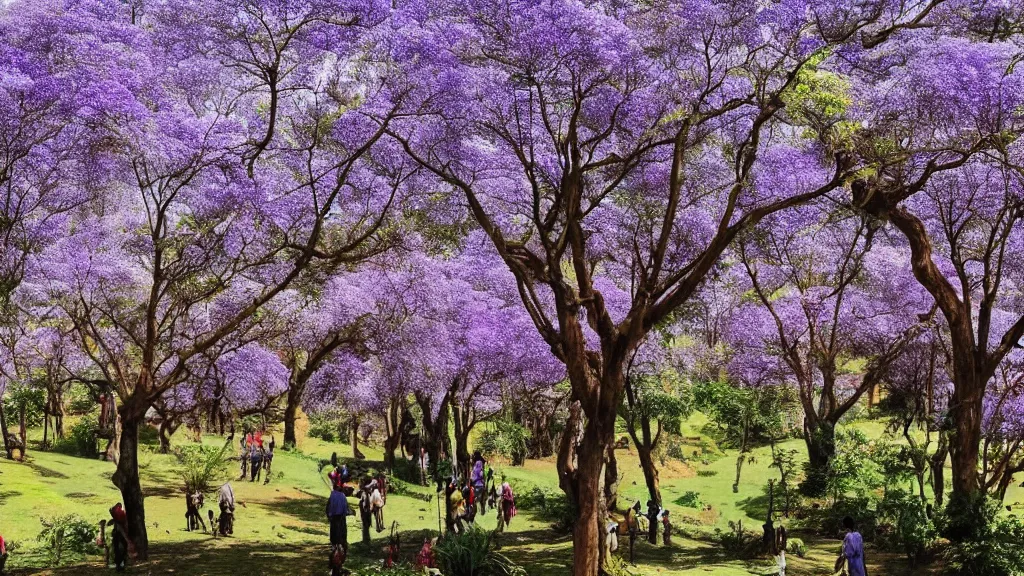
650 473
964 444
165 438
611 480
586 533
393 433
435 436
291 410
355 438
462 429
820 438
938 463
22 430
58 419
46 426
126 478
3 431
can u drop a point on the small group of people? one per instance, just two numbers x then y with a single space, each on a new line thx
224 524
256 458
468 498
372 495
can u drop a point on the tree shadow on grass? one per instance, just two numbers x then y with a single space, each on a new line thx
757 506
7 494
44 472
213 558
307 509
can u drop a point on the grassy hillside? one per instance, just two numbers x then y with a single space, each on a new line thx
280 527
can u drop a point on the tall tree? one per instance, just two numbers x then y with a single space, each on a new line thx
192 243
824 297
950 186
599 142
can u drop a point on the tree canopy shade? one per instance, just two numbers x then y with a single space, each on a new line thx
228 204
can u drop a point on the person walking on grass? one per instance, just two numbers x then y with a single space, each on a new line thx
338 512
853 550
479 482
226 501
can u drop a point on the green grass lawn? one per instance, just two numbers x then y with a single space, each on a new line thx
281 530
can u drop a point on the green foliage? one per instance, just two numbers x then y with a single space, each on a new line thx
904 524
202 467
796 546
379 570
79 400
616 566
507 438
690 499
325 425
663 398
853 469
81 439
547 504
67 538
470 554
860 509
997 551
737 542
983 543
760 413
30 398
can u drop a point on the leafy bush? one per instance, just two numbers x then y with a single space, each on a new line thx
738 542
81 439
506 438
797 547
983 543
854 468
552 505
689 499
67 538
860 509
470 554
904 524
616 566
202 467
325 425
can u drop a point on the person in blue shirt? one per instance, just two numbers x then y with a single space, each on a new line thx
337 513
853 550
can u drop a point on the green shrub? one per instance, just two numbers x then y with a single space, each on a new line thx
738 542
860 509
616 566
81 439
67 538
551 505
325 425
690 499
379 570
797 547
984 543
904 525
470 554
506 438
203 467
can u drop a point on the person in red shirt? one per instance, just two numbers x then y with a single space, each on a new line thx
3 554
119 536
